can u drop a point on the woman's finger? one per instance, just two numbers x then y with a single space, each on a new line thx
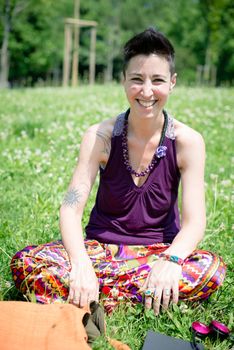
149 293
166 297
148 303
71 294
175 293
94 294
86 297
76 298
157 301
144 287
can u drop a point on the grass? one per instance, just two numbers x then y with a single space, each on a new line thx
40 135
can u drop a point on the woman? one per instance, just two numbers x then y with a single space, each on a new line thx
135 248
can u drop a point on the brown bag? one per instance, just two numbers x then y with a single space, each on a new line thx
31 326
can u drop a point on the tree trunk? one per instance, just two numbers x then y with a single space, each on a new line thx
113 42
4 59
110 59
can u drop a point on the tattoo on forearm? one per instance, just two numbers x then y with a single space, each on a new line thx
106 142
72 197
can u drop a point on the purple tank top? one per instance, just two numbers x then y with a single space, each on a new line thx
127 214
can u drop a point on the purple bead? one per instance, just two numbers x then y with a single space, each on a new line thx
160 152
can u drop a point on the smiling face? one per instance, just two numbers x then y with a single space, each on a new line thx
147 84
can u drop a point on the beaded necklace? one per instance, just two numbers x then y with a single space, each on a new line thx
160 151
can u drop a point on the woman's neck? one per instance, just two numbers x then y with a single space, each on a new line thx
145 128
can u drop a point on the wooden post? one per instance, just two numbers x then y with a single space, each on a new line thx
213 75
78 23
92 58
75 61
67 52
199 75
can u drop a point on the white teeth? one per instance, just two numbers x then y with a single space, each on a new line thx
147 103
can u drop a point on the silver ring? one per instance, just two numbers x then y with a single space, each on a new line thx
167 292
150 292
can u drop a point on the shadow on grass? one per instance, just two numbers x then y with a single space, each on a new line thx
13 295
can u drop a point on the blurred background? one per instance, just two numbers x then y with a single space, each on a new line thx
32 38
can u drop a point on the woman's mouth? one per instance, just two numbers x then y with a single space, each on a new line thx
146 104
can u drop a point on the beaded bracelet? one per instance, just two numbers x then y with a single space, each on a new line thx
172 258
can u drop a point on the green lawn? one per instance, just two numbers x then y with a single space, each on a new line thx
40 133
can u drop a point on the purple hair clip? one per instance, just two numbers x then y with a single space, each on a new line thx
161 151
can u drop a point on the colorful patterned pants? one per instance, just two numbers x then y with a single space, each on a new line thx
42 272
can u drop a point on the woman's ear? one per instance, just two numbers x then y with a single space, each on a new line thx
173 81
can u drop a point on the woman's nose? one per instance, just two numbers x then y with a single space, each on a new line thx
147 90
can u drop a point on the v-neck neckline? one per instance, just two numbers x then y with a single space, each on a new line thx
161 142
147 182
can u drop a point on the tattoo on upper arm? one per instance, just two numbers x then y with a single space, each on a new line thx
106 142
72 197
75 196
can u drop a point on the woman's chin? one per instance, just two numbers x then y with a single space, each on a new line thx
146 112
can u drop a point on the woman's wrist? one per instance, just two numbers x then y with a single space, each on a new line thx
172 258
80 258
181 251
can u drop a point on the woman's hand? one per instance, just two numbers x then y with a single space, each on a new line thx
84 286
163 280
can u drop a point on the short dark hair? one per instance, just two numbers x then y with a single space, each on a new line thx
149 42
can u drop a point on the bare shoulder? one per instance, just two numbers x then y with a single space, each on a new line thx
186 136
99 136
190 145
104 128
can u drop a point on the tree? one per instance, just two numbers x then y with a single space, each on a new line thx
225 65
216 13
107 13
10 9
32 36
40 40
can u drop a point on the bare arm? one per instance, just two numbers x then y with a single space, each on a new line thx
76 197
191 160
83 283
94 150
165 275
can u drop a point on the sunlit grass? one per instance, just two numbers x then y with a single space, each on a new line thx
40 136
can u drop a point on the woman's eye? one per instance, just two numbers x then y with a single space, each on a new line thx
136 79
158 81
